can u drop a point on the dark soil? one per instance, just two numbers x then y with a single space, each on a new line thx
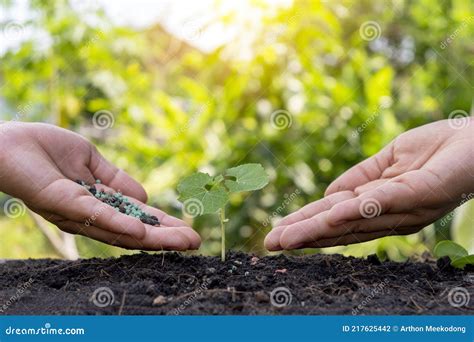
170 283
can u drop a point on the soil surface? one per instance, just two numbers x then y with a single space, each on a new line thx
170 284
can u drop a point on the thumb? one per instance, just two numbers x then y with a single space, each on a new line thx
114 177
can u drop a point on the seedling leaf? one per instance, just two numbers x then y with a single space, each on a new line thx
200 186
449 248
203 194
247 177
195 180
463 261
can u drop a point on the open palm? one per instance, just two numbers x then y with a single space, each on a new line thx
416 179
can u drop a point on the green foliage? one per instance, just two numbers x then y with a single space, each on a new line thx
462 262
248 177
203 188
178 109
449 248
458 255
211 194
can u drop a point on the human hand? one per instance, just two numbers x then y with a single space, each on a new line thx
39 165
416 179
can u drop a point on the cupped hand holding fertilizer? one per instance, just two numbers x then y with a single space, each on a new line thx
40 164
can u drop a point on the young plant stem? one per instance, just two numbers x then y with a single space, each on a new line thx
223 221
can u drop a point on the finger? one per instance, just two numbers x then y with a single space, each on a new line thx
370 186
317 207
390 197
411 190
360 237
165 219
51 217
164 238
364 172
72 201
115 178
308 232
272 240
297 234
193 237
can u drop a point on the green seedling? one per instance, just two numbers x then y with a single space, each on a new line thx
457 254
203 194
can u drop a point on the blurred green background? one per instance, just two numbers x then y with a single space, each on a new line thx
193 86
